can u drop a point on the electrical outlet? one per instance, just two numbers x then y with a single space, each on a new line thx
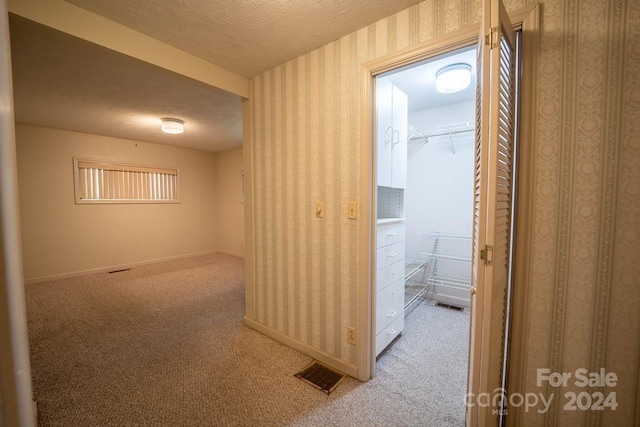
353 210
319 210
351 335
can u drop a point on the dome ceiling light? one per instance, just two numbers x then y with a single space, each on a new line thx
172 126
453 78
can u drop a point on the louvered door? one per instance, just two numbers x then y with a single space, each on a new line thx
492 210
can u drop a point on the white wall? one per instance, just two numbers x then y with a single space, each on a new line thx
229 205
60 237
439 194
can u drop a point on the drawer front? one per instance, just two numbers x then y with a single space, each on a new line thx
389 274
390 254
388 234
389 305
384 338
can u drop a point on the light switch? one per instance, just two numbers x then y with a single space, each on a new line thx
353 210
319 210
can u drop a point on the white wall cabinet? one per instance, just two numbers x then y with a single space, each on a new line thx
392 113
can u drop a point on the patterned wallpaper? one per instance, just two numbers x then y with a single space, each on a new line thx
584 296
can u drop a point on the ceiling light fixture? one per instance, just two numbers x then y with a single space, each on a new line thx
172 126
453 78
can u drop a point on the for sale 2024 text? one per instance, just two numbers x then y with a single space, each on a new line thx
582 378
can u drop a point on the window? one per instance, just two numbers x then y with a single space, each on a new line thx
99 182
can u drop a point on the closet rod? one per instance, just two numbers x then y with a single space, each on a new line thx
415 138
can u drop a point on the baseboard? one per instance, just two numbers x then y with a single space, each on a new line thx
116 267
232 253
329 360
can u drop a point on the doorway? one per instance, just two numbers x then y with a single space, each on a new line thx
425 131
492 221
487 331
438 197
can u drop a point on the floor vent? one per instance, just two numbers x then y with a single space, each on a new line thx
320 377
119 271
452 307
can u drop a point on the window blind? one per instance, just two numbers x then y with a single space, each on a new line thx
100 182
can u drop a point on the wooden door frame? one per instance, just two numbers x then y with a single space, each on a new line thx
365 347
527 19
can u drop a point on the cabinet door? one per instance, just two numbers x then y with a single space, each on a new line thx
399 149
384 90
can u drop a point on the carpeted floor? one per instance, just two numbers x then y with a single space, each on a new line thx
164 345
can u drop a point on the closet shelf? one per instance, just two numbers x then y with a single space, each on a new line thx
449 130
388 220
444 256
414 269
449 281
444 235
415 134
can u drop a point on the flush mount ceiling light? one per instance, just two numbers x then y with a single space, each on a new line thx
453 78
172 126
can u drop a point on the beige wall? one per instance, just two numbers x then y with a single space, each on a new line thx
584 297
229 204
60 237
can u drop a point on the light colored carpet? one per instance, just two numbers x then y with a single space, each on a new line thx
164 345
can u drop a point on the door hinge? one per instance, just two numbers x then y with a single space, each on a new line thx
491 39
486 254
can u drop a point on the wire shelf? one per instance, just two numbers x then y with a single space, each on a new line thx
449 279
457 127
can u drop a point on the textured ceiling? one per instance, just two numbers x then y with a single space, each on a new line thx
64 82
247 37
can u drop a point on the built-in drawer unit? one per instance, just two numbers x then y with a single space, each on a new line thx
389 274
390 305
389 233
390 252
388 334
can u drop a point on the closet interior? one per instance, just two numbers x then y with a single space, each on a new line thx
425 167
